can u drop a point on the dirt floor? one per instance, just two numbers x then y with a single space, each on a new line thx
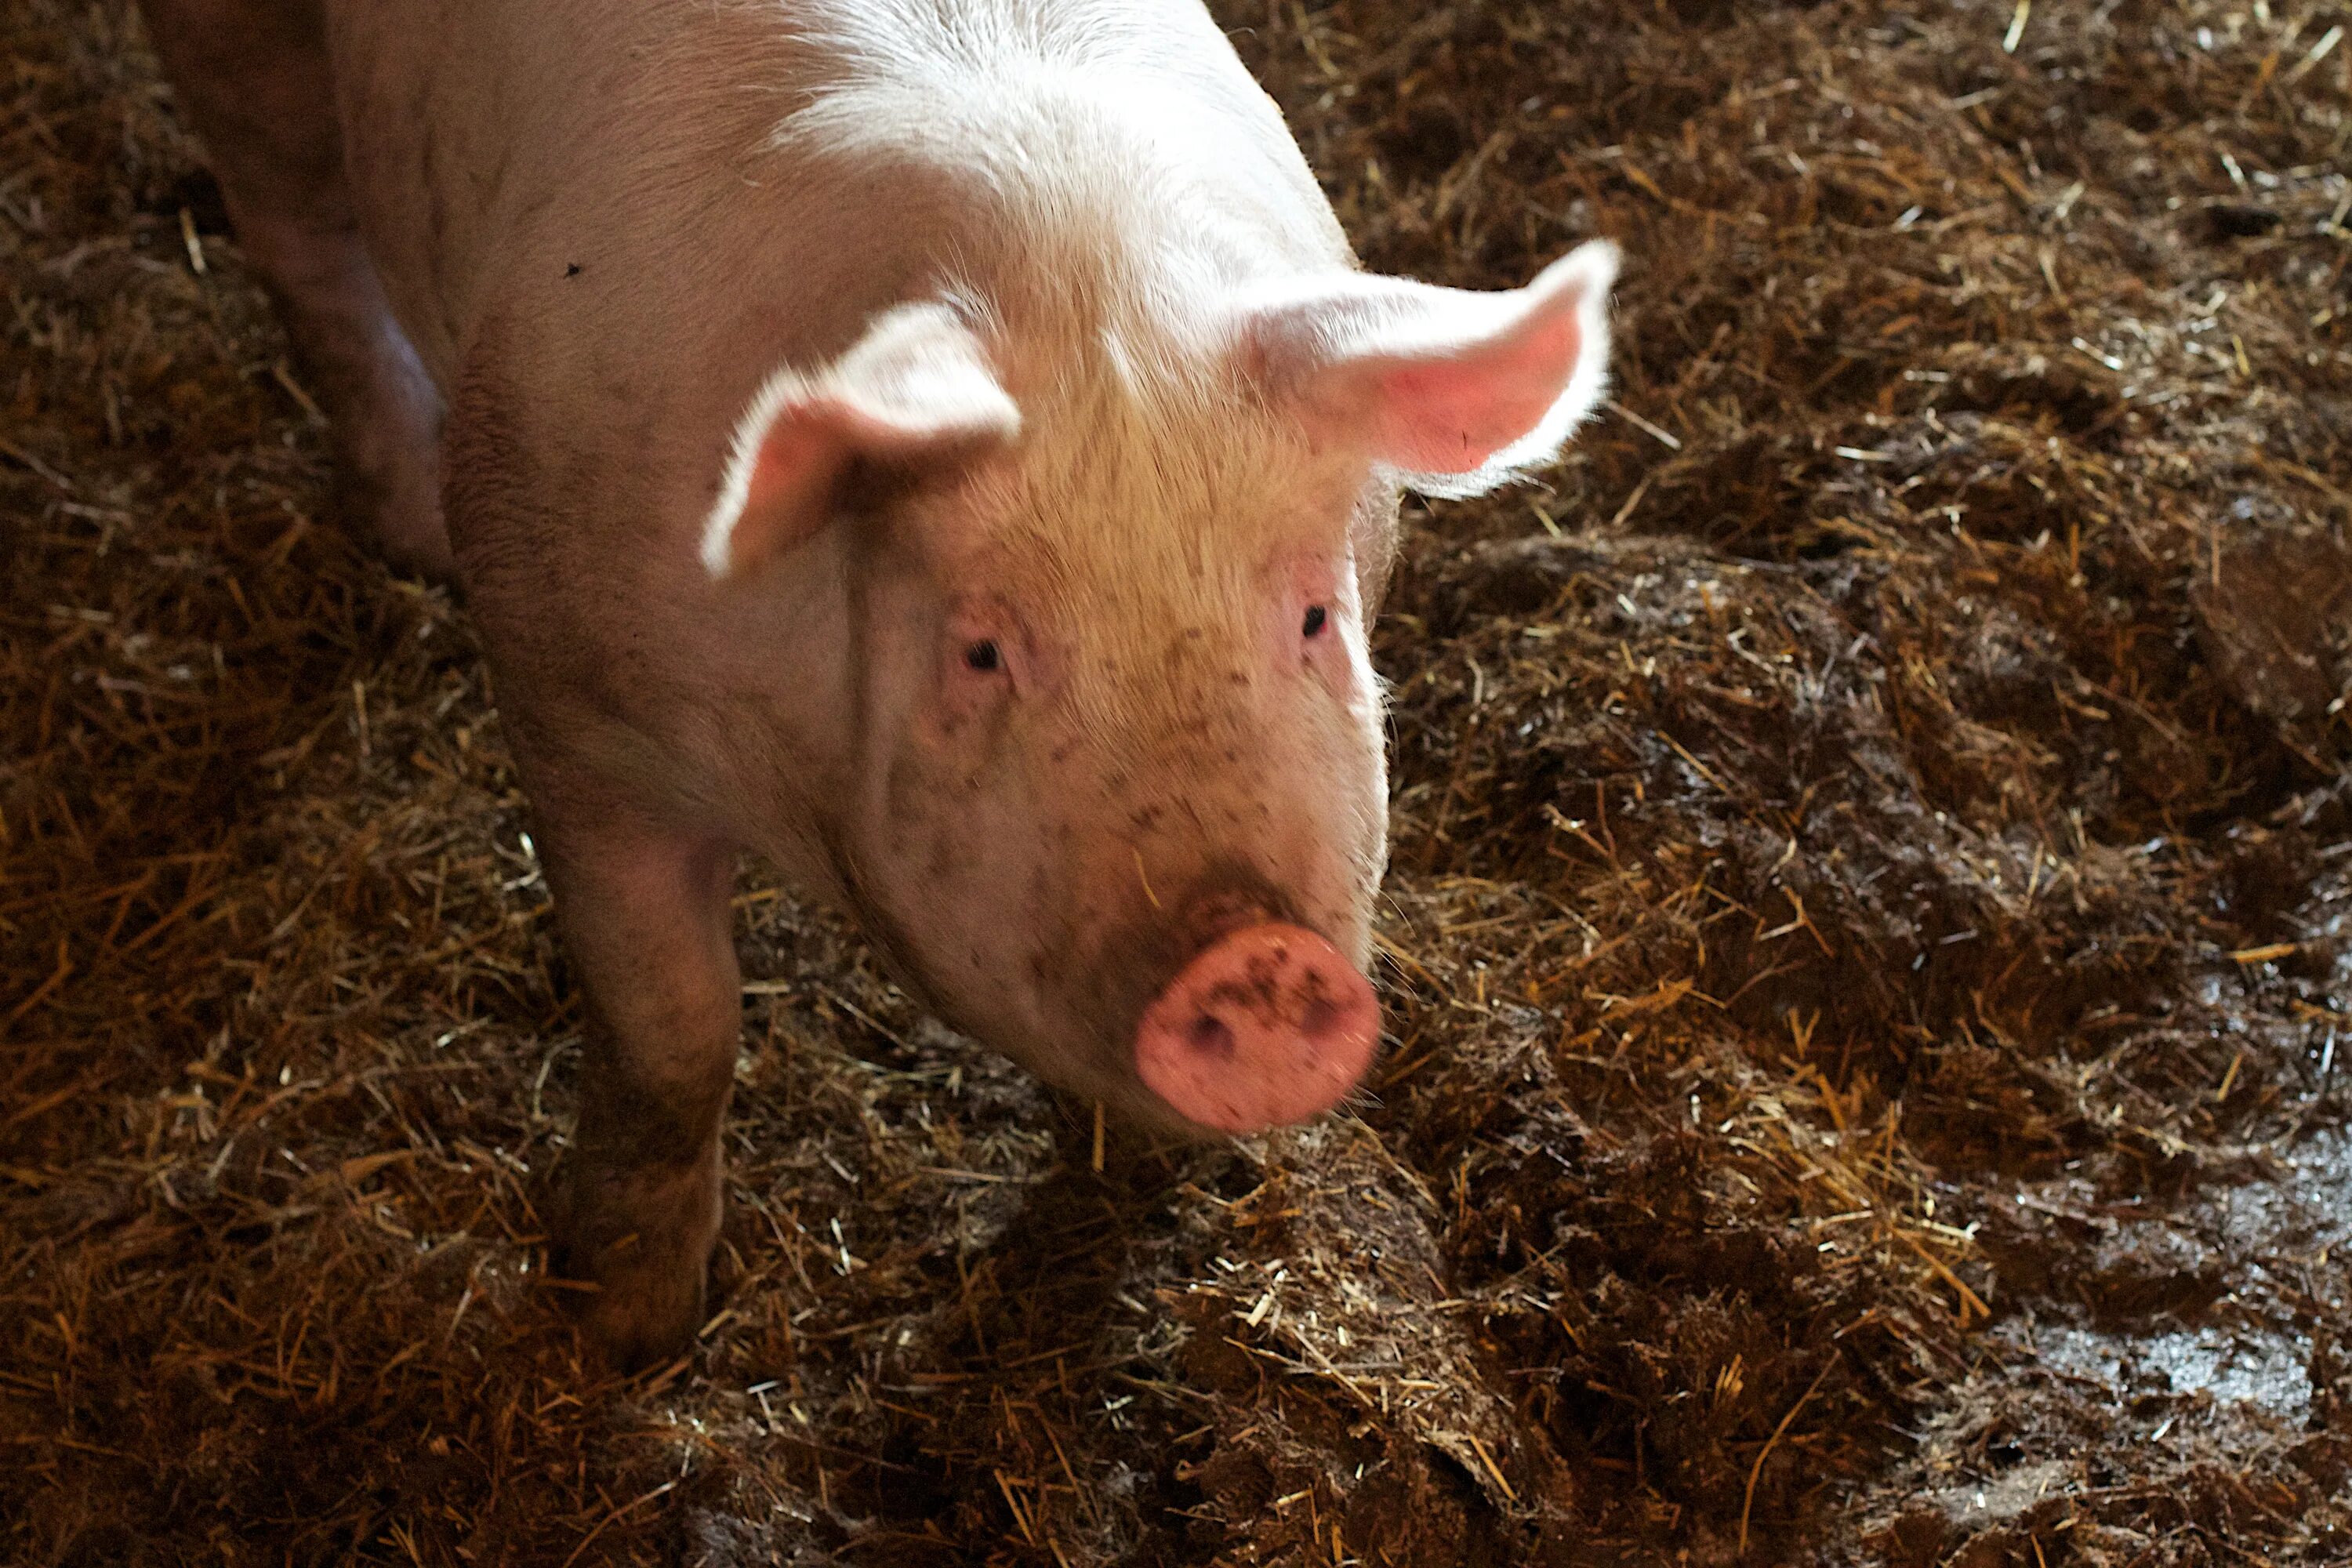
1867 946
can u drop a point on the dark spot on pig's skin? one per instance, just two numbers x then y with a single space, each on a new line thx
1259 992
944 861
571 269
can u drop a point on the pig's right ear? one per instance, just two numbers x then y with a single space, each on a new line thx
1454 392
915 392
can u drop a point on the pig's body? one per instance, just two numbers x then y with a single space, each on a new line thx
943 446
600 251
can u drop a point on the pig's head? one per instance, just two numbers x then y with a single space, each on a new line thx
1112 796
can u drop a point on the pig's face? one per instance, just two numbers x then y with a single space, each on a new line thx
1110 787
1114 706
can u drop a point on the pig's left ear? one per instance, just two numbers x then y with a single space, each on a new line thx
1454 390
917 391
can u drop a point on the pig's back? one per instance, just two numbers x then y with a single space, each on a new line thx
704 144
467 123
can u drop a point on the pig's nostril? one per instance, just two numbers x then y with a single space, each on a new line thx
1211 1036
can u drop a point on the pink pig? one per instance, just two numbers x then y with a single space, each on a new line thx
944 446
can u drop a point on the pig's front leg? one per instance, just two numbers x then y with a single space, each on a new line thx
645 913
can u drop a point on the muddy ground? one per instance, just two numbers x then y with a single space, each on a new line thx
1867 947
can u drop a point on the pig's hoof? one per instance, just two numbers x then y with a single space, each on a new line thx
641 1317
641 1242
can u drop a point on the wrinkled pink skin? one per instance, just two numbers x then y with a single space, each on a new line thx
534 296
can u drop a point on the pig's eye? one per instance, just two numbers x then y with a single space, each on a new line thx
983 657
1313 624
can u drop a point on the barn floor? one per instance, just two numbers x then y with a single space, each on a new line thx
1868 943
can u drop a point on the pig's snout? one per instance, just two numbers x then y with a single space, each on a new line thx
1267 1025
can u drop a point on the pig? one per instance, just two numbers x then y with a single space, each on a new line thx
947 447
